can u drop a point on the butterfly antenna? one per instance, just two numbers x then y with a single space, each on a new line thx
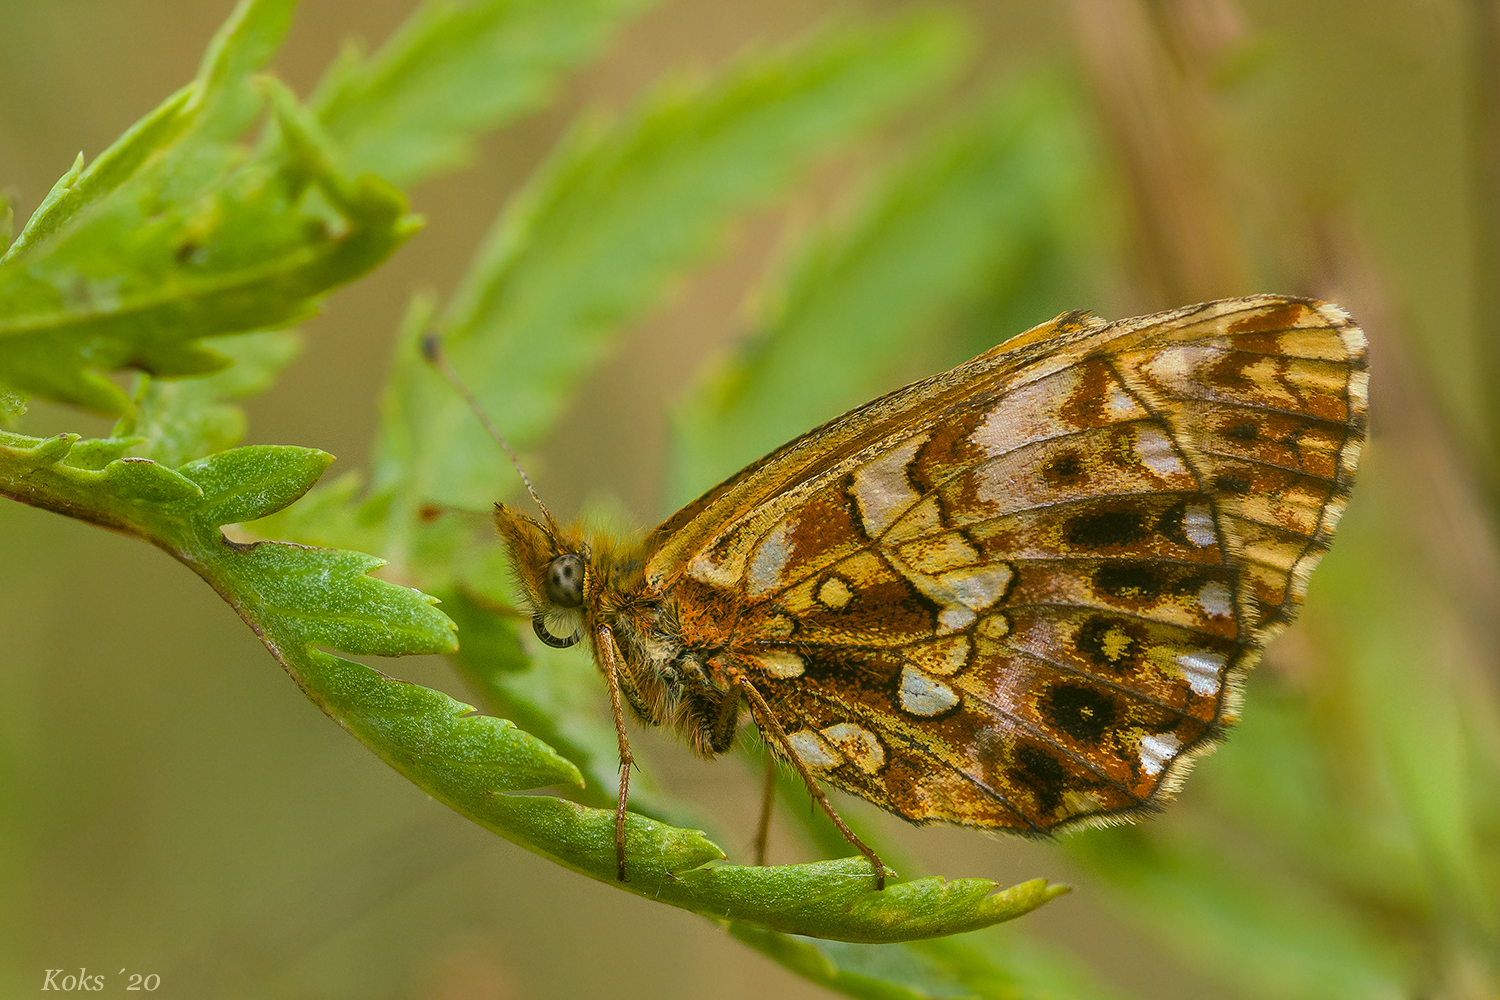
432 350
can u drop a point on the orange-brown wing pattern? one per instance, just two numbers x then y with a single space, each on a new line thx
1022 593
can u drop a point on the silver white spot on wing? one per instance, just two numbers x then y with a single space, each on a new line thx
768 562
923 695
1157 750
1120 405
1028 413
1216 600
978 587
1198 525
814 750
882 489
1156 453
963 594
1201 671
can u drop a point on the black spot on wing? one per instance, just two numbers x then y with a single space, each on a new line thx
1064 470
1243 432
1045 775
1081 712
1106 529
1233 485
1130 581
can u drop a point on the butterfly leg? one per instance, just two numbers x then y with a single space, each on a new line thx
766 720
767 800
612 675
720 739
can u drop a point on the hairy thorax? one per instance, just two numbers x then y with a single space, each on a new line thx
666 678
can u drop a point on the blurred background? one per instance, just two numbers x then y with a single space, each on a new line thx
171 804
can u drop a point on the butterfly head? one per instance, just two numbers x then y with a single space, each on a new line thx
553 570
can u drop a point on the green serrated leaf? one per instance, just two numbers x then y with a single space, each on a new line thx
300 601
35 472
247 483
452 70
464 758
54 209
218 105
838 900
240 258
829 899
173 236
76 190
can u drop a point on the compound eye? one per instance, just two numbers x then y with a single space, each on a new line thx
565 581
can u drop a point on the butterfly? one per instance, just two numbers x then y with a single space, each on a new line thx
1021 594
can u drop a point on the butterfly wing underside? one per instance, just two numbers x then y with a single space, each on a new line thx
1023 593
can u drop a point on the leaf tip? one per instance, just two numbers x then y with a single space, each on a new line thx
1014 901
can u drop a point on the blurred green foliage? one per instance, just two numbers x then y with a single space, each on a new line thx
1347 842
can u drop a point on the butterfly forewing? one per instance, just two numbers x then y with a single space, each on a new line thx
1021 593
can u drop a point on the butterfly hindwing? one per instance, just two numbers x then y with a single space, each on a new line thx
1021 593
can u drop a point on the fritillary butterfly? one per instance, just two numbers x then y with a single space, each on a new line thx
1021 594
